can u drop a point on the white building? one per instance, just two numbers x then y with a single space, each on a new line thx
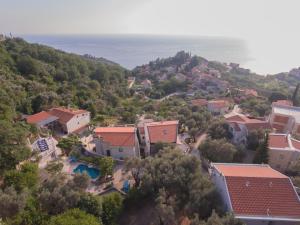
285 118
256 194
283 149
117 142
218 106
65 120
241 125
160 132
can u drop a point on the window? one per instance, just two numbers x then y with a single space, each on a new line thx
281 156
120 149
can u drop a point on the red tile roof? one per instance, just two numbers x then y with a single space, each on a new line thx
117 136
263 197
199 102
296 144
278 127
38 117
164 131
260 191
251 92
237 118
218 103
281 119
251 124
65 114
283 103
278 141
247 170
283 141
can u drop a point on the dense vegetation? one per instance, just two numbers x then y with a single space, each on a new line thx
35 78
163 180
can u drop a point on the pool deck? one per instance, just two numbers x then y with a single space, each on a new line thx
119 176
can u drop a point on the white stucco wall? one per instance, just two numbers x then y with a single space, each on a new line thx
117 152
220 182
78 121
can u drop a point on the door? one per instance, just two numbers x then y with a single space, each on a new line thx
108 152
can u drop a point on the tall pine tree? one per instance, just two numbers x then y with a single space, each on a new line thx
295 95
262 152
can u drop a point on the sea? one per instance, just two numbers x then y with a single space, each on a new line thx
133 50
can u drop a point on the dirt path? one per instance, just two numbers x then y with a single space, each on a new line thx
199 140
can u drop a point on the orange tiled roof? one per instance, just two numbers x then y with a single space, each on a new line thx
164 131
218 103
247 170
283 103
199 102
283 141
65 114
258 190
278 141
281 119
117 136
278 127
38 117
250 123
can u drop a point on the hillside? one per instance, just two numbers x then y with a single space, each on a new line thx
37 77
194 73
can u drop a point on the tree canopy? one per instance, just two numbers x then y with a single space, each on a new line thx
74 217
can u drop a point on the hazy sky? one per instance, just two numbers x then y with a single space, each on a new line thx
237 18
260 22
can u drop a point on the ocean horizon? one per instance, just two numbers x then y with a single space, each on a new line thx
134 50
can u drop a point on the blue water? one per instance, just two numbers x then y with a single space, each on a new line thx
92 172
133 50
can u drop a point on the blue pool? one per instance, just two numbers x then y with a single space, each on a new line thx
92 172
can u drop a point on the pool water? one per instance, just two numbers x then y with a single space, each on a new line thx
92 172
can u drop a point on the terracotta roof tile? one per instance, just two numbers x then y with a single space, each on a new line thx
258 190
218 103
65 114
281 119
263 197
296 144
199 102
164 131
247 170
278 127
117 136
250 123
283 103
278 141
38 117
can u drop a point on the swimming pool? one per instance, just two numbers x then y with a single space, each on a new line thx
92 172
